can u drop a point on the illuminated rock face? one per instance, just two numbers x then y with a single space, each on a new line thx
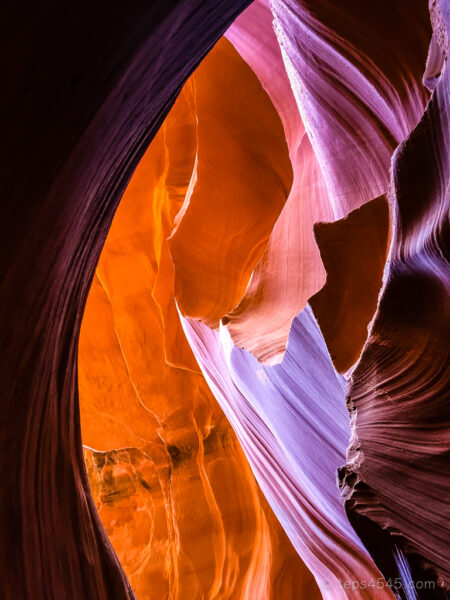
263 362
293 426
86 93
172 486
347 93
196 526
396 474
241 181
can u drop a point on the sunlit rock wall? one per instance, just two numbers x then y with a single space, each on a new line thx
249 269
171 484
86 88
262 375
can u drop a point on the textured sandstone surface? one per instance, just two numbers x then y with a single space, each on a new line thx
87 89
256 407
171 484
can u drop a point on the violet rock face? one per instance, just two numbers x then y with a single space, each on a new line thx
292 423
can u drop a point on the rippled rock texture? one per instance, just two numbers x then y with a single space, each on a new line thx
238 388
86 89
172 486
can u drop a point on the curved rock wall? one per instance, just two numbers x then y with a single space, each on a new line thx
280 254
86 88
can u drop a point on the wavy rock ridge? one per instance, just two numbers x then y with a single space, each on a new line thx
86 93
263 359
161 456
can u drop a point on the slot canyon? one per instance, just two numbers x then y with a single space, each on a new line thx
224 300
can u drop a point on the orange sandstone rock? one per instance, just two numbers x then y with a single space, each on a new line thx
171 484
242 180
